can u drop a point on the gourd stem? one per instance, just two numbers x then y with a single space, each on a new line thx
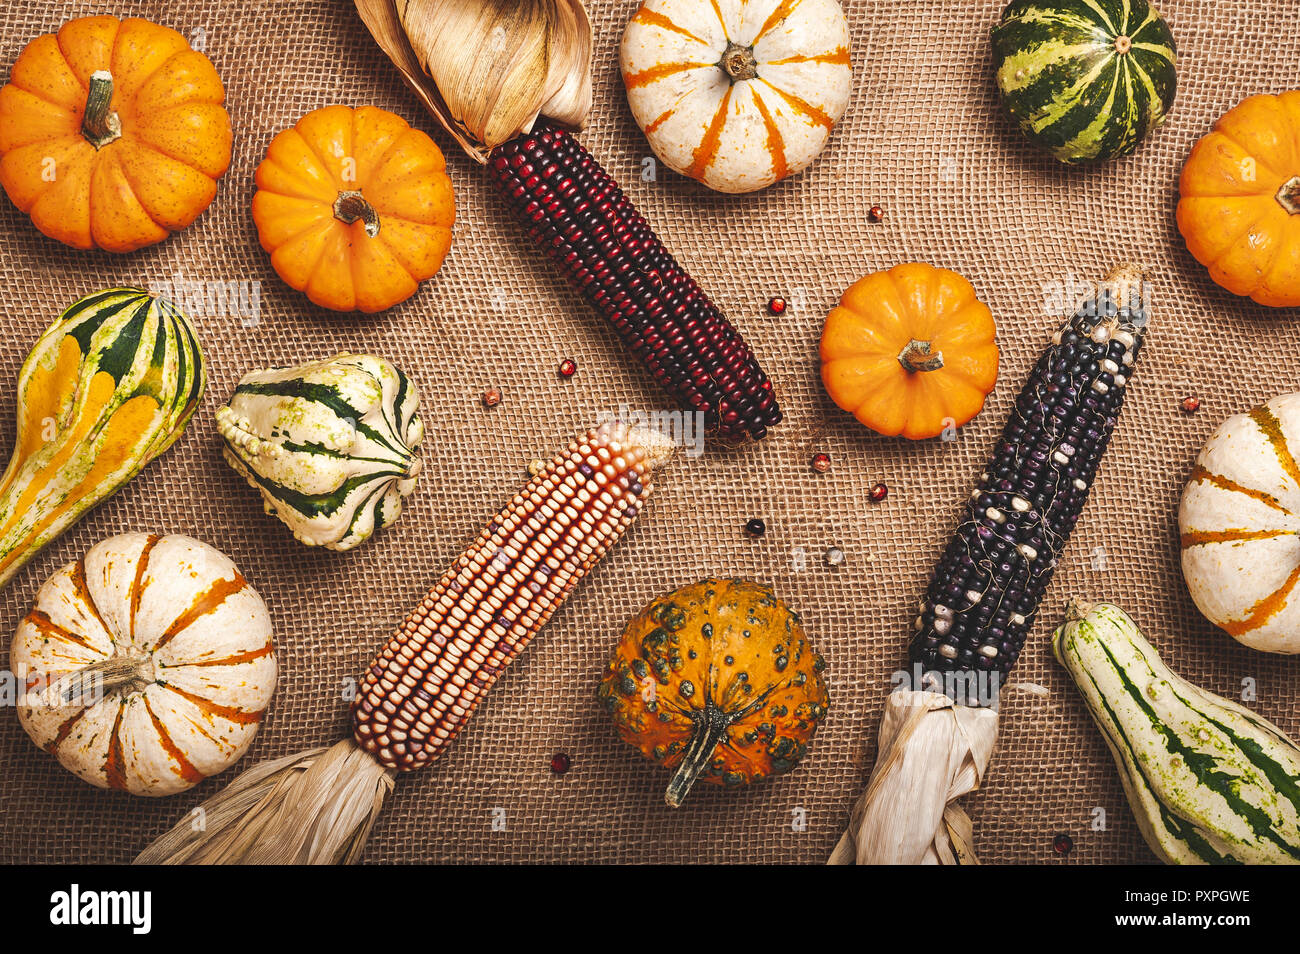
91 683
738 62
917 356
99 124
1123 44
710 727
350 206
1289 195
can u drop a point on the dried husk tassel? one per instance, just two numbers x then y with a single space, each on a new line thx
486 69
932 751
318 807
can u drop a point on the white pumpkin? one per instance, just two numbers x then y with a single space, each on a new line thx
738 94
148 664
1240 527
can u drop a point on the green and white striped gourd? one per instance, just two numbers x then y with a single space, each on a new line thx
331 445
105 390
1209 781
1085 79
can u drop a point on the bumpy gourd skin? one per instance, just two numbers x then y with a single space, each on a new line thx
332 446
725 654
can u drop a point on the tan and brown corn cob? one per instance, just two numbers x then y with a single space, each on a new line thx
430 677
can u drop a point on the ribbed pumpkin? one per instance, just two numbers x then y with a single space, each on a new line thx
738 96
112 133
105 390
1239 210
910 351
1085 80
716 680
1210 781
331 445
1239 519
148 664
355 207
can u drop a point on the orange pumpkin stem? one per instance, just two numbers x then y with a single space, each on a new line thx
917 356
99 124
95 681
1123 44
1289 195
350 206
738 62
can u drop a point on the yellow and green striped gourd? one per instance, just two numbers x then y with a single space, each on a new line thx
1085 79
1209 781
105 390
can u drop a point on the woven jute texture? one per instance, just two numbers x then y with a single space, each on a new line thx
923 138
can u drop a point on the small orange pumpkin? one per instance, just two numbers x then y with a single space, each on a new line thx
910 351
112 133
1239 210
355 207
717 681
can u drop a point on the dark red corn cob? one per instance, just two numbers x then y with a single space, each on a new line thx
578 214
985 592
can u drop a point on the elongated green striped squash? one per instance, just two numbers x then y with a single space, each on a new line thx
1085 79
105 390
1209 781
332 446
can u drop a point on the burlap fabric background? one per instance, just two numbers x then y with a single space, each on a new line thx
923 138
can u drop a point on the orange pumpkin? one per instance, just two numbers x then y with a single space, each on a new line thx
910 351
717 681
1239 210
355 207
112 133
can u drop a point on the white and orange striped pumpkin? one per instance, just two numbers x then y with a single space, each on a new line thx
1239 524
738 94
147 664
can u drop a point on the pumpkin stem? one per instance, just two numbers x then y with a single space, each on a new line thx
1123 44
1289 195
917 356
99 124
350 206
91 683
710 727
738 62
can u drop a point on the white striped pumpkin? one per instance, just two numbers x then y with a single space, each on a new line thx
147 664
1239 524
738 94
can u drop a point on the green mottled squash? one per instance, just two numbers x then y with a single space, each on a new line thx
1209 781
332 446
716 681
1085 79
105 390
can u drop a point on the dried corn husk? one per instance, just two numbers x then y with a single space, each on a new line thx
313 808
932 752
486 69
